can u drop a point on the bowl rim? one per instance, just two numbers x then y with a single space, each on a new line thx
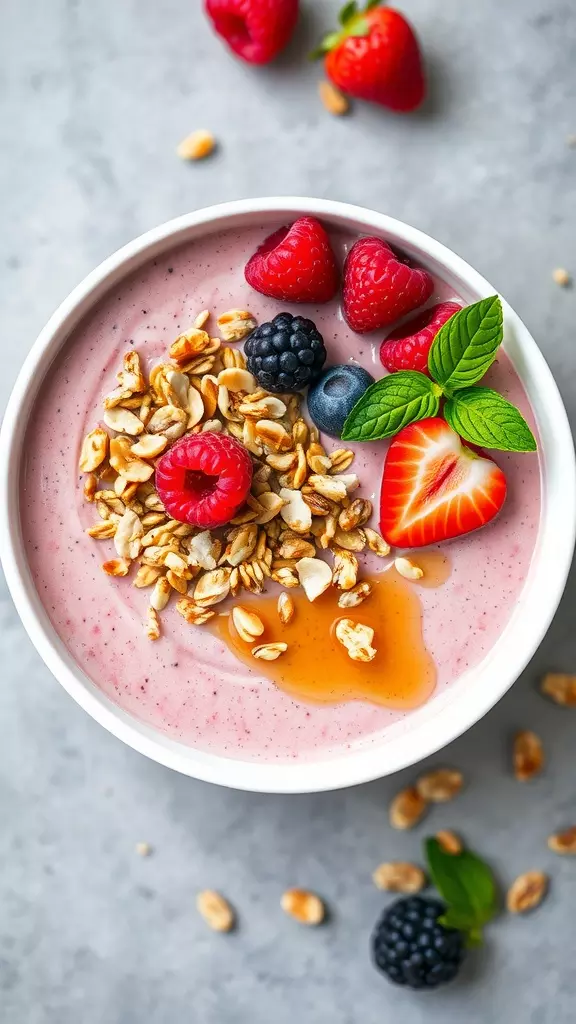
450 713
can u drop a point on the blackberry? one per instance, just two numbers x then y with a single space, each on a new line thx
412 948
287 354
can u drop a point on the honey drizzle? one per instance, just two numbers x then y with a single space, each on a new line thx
316 667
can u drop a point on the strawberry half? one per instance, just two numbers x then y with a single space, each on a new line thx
434 488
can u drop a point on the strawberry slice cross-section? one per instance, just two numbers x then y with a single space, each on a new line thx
434 488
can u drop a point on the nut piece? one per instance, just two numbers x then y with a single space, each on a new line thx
236 379
407 808
527 892
204 550
562 277
143 849
528 755
449 841
215 910
439 786
357 513
305 907
315 576
128 536
563 842
376 543
116 567
407 569
295 512
123 421
148 446
561 688
248 625
286 609
357 640
212 588
332 99
269 652
399 876
193 613
235 324
152 624
352 598
196 146
345 571
161 594
94 450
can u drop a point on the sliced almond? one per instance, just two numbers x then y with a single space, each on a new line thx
286 577
193 613
269 652
351 540
152 624
295 512
161 594
94 450
272 505
149 446
196 146
404 567
449 841
248 625
204 550
116 567
102 531
560 688
126 464
352 598
286 609
315 576
327 486
213 587
169 420
407 808
295 546
340 459
563 842
357 639
527 755
147 576
232 357
128 536
269 407
215 910
399 876
90 487
236 324
236 380
527 892
305 907
273 435
332 99
123 421
188 344
440 785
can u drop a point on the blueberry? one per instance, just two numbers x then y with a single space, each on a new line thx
334 395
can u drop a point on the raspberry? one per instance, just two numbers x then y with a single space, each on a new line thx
295 264
255 30
408 346
380 286
287 354
204 479
411 948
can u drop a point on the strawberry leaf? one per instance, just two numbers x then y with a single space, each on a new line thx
347 12
466 346
483 417
467 885
390 404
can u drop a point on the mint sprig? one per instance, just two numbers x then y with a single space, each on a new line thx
467 886
390 404
466 346
461 353
483 417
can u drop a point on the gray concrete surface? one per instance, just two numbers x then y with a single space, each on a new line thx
94 96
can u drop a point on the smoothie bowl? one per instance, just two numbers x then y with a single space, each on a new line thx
280 508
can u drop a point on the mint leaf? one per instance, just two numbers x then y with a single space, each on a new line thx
467 885
483 417
390 404
347 12
466 345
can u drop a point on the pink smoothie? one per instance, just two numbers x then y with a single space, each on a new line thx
188 684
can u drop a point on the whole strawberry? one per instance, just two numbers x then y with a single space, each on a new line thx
375 56
255 30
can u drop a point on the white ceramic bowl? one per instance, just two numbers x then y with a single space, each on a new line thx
445 716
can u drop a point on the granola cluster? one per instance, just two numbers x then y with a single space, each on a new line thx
300 502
